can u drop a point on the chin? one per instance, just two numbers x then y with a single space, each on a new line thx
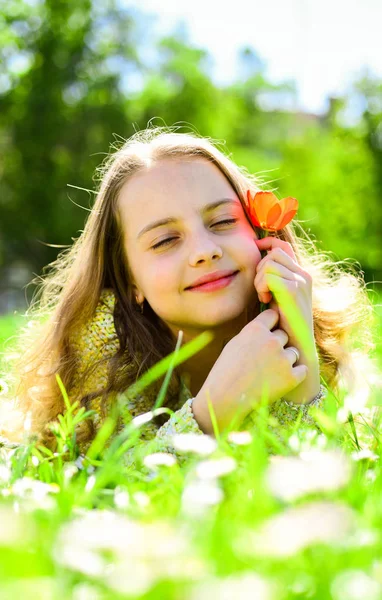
217 317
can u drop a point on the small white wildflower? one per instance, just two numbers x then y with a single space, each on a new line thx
370 475
212 468
241 438
361 538
34 494
152 461
342 415
356 401
185 566
5 473
35 461
199 495
142 419
141 499
294 442
80 559
311 434
297 528
313 471
193 442
321 441
136 579
121 498
131 546
69 470
366 453
354 584
27 487
86 591
90 483
245 585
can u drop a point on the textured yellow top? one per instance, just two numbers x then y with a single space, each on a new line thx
96 339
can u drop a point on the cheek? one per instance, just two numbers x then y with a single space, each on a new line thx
160 278
252 254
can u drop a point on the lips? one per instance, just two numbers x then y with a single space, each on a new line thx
211 277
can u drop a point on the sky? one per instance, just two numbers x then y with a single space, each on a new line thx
323 45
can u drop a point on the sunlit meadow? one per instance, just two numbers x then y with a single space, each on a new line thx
256 514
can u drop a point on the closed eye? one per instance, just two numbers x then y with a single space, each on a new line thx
168 240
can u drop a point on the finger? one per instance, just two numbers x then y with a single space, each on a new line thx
282 335
262 288
268 243
300 372
270 266
292 357
276 285
268 317
262 281
280 256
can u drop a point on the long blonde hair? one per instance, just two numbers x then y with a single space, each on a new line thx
68 295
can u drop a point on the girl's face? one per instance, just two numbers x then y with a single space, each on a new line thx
166 258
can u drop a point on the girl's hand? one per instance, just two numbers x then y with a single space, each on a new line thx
279 275
253 364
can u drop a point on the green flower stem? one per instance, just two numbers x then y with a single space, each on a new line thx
263 234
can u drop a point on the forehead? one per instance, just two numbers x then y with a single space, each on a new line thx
170 187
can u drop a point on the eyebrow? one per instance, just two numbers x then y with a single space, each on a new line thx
207 208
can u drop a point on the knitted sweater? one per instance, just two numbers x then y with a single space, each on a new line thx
98 339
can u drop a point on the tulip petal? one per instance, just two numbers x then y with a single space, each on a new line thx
289 208
274 215
267 212
254 219
252 211
286 219
264 201
289 204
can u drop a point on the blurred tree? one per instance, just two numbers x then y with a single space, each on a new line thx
178 89
75 74
334 172
62 106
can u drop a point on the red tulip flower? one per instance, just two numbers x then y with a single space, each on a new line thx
269 213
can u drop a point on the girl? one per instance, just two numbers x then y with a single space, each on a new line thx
171 209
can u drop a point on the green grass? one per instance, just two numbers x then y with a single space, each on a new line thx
302 521
8 326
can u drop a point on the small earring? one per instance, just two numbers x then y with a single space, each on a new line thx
140 305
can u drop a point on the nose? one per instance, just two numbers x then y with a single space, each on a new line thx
205 249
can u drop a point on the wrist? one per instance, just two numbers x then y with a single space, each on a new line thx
306 391
201 416
314 401
226 414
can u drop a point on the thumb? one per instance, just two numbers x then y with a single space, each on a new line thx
300 372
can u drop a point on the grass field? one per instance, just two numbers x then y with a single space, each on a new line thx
253 515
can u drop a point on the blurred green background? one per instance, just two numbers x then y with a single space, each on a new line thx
65 69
